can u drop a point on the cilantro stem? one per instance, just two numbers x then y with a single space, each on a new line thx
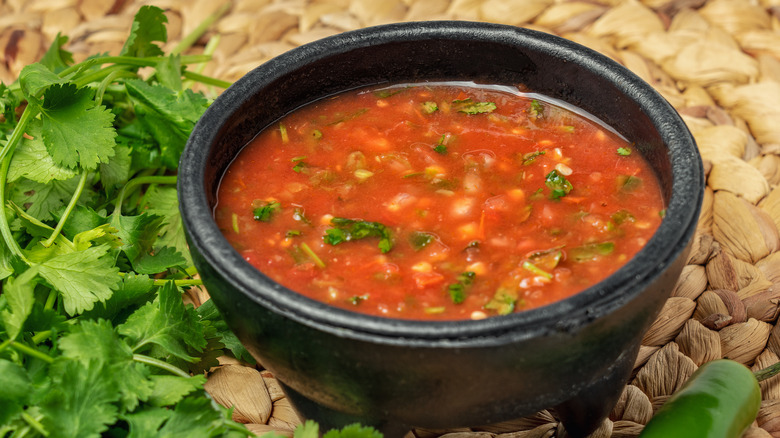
104 84
5 229
71 205
196 33
160 364
180 283
22 348
208 80
317 261
35 424
131 185
50 299
149 61
28 114
101 74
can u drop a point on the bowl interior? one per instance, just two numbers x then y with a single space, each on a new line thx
410 52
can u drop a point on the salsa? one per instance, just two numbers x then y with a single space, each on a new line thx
446 200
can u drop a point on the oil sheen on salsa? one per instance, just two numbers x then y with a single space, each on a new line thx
445 200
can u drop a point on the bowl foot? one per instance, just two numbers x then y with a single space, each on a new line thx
584 413
331 419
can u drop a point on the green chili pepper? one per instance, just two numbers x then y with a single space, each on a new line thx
720 400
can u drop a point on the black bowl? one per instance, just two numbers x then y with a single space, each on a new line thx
338 367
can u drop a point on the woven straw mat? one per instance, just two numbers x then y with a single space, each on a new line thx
717 62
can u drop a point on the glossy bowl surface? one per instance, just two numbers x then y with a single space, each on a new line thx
338 366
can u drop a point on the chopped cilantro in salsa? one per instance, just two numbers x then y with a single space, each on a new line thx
558 183
265 212
468 106
345 230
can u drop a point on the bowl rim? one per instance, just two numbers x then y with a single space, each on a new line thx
668 243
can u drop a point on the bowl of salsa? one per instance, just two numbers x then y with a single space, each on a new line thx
441 224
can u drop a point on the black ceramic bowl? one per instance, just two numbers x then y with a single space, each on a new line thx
339 367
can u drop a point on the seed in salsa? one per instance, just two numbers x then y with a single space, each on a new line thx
438 201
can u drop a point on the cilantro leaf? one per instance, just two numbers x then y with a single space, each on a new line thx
76 131
35 78
169 390
98 341
32 160
346 230
163 201
19 294
166 115
558 183
266 212
160 261
165 322
133 292
138 233
457 291
208 312
148 27
9 101
624 151
81 400
353 431
17 388
195 418
116 171
56 58
420 239
82 277
40 200
82 219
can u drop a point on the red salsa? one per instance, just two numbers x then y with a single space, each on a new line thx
438 201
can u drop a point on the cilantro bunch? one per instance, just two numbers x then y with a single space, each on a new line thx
95 338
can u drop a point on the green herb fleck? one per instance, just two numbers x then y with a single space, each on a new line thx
532 268
298 215
299 163
537 110
622 216
624 151
429 107
503 302
531 157
312 255
420 239
266 212
546 260
234 223
283 132
628 183
468 106
457 291
292 233
357 299
558 183
591 251
345 230
441 146
662 213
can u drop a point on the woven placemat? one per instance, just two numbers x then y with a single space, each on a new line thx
717 62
